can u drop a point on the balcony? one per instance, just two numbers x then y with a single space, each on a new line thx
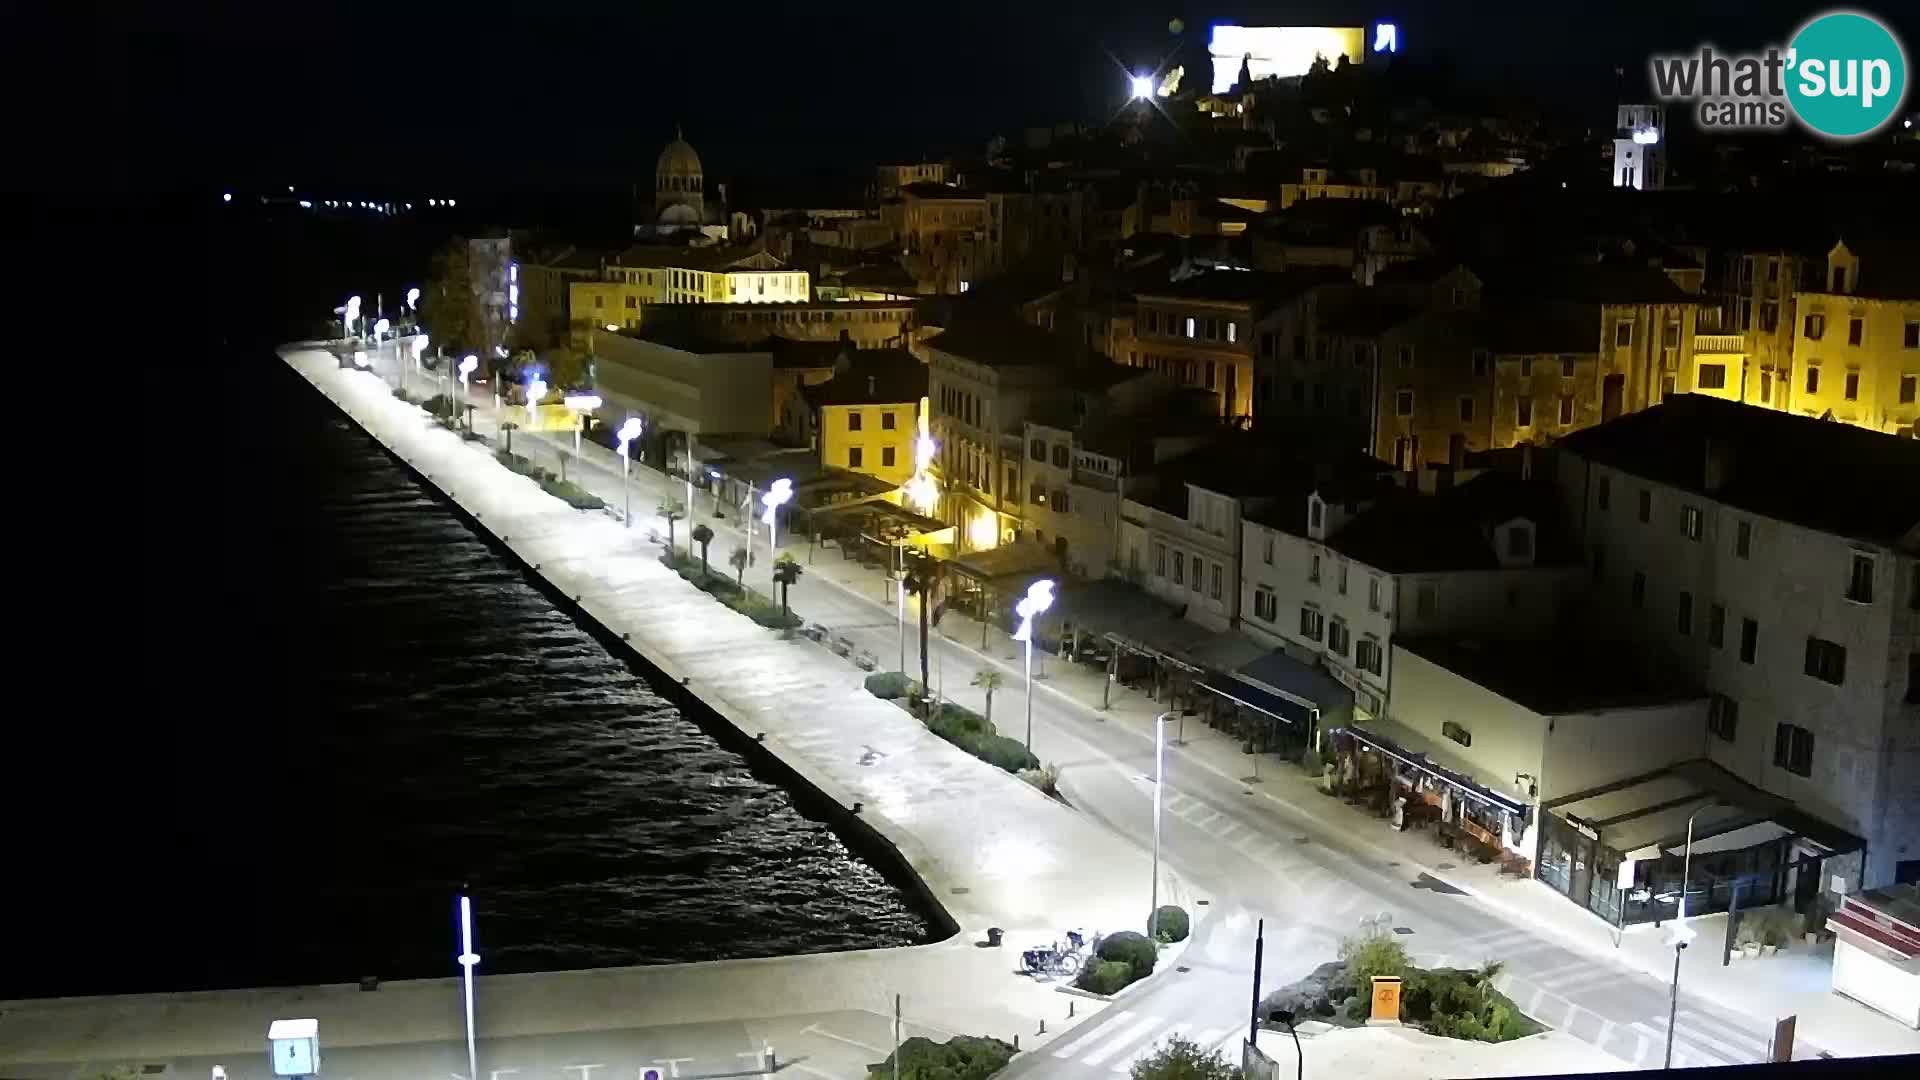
1719 343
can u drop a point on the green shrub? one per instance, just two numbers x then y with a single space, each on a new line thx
963 1057
1005 753
1180 1058
888 685
1370 955
1131 949
1105 976
1358 1008
1170 922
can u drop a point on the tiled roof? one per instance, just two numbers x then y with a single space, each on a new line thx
1820 474
1409 533
1003 341
1246 286
874 377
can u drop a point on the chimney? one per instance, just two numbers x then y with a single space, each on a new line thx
871 388
1719 465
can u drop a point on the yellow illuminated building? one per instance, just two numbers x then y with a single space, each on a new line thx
1856 347
867 418
645 275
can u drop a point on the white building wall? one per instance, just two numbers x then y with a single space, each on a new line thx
1585 750
1793 585
1508 738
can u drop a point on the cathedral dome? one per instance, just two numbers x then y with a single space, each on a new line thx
678 159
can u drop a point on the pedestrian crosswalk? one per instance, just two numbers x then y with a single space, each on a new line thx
1616 1008
1120 1039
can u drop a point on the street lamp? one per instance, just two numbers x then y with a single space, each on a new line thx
1038 599
1159 762
777 494
380 330
580 405
1682 934
468 958
1142 86
628 432
351 317
536 389
419 349
413 300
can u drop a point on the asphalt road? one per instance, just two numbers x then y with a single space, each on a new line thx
1249 856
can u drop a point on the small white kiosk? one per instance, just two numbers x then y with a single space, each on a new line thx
295 1046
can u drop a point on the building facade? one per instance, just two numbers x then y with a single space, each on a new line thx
1857 348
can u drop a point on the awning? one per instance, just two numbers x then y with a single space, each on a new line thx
1285 689
1260 700
1424 762
1739 839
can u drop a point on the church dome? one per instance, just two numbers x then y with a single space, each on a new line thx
678 159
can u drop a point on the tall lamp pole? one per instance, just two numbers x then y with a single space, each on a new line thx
1159 765
629 431
468 958
1038 599
777 495
1682 933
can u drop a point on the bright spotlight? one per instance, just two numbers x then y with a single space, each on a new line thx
1142 86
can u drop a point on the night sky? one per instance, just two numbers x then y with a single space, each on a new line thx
583 94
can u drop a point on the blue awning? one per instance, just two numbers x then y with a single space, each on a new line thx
1284 688
1424 762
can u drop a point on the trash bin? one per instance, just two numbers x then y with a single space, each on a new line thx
993 936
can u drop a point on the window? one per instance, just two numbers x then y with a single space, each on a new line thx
1195 581
1683 620
1159 560
1605 493
886 420
1566 408
1425 599
1639 588
1793 749
1037 494
1466 410
1910 337
1061 503
1749 640
1313 568
1403 403
1826 661
1526 367
1743 539
1860 581
1189 326
886 457
633 301
1622 335
1813 380
1646 505
1314 510
1481 361
1337 638
1766 387
1853 386
1856 330
1367 654
1215 576
1814 326
1406 356
1907 387
1062 457
1670 336
1266 549
1723 717
1716 626
853 457
1264 605
1523 411
1312 624
1770 316
1457 733
1373 594
1179 569
1566 367
1520 542
1712 377
1342 586
1233 332
1037 450
1691 521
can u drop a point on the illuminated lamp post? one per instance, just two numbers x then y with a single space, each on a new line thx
1159 766
628 432
468 958
351 317
1038 599
1142 87
536 389
580 405
1683 934
467 365
777 494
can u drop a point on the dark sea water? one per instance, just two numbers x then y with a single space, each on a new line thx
337 706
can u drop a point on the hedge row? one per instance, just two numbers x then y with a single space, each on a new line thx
729 592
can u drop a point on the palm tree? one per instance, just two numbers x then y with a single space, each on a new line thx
672 511
739 561
509 427
702 536
923 576
786 571
989 680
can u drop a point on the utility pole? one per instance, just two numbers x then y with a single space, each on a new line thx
1259 950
